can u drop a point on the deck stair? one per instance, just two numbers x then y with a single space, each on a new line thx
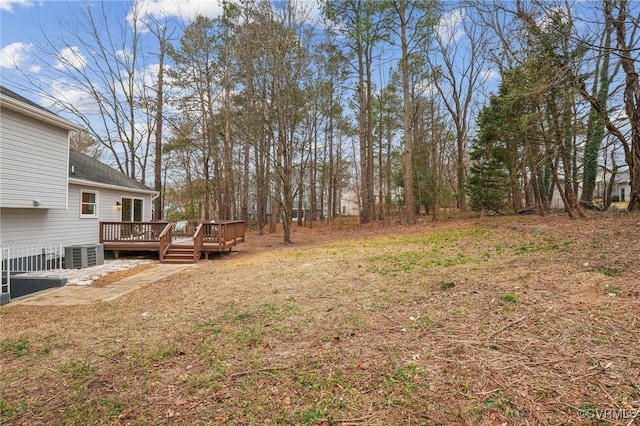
179 254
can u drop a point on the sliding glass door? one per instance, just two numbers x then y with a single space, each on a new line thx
132 209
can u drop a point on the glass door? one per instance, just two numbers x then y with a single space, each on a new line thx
132 209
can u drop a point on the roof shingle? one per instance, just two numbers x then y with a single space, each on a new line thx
82 166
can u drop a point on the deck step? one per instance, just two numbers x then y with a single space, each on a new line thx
177 261
179 255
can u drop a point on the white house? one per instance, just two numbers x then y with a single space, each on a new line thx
49 194
349 203
621 187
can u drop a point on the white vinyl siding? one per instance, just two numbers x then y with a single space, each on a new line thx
34 158
65 225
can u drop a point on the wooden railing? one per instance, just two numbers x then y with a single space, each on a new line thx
234 230
165 241
198 241
206 236
213 233
131 231
184 228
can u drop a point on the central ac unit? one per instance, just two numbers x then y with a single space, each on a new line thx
76 257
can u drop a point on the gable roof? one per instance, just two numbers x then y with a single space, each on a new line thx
85 169
11 100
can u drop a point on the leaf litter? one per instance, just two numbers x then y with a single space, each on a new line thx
376 324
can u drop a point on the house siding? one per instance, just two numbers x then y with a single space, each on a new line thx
65 225
34 157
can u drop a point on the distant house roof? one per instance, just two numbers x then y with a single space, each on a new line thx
11 100
623 177
85 168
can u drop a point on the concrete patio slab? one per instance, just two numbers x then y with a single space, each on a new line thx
86 294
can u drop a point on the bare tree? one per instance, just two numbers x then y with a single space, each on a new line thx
99 77
160 32
458 75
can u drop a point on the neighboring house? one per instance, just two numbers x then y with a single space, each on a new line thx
621 187
349 203
619 193
49 194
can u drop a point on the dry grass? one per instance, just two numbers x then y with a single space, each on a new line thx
513 320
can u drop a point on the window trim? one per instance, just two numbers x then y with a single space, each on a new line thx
95 204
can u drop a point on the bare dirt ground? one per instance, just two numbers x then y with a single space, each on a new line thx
489 321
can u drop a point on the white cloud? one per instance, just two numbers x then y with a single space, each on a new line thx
184 9
66 94
426 87
449 28
14 54
490 75
150 75
7 5
125 55
70 57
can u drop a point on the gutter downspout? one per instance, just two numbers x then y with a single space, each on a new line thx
152 203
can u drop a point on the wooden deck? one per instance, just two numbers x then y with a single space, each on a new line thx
175 241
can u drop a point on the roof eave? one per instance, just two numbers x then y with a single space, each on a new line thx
31 111
77 181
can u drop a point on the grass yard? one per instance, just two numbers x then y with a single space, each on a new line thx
492 321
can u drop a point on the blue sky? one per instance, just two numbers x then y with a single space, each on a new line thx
24 23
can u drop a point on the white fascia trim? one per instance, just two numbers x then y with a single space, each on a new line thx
108 186
37 113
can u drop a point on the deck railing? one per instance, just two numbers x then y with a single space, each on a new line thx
235 230
214 231
198 241
184 228
131 231
165 239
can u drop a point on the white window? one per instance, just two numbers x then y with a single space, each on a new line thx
88 204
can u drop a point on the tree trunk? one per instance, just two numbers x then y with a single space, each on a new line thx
595 124
157 169
631 101
409 206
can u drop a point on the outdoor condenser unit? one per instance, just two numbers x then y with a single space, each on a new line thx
83 256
